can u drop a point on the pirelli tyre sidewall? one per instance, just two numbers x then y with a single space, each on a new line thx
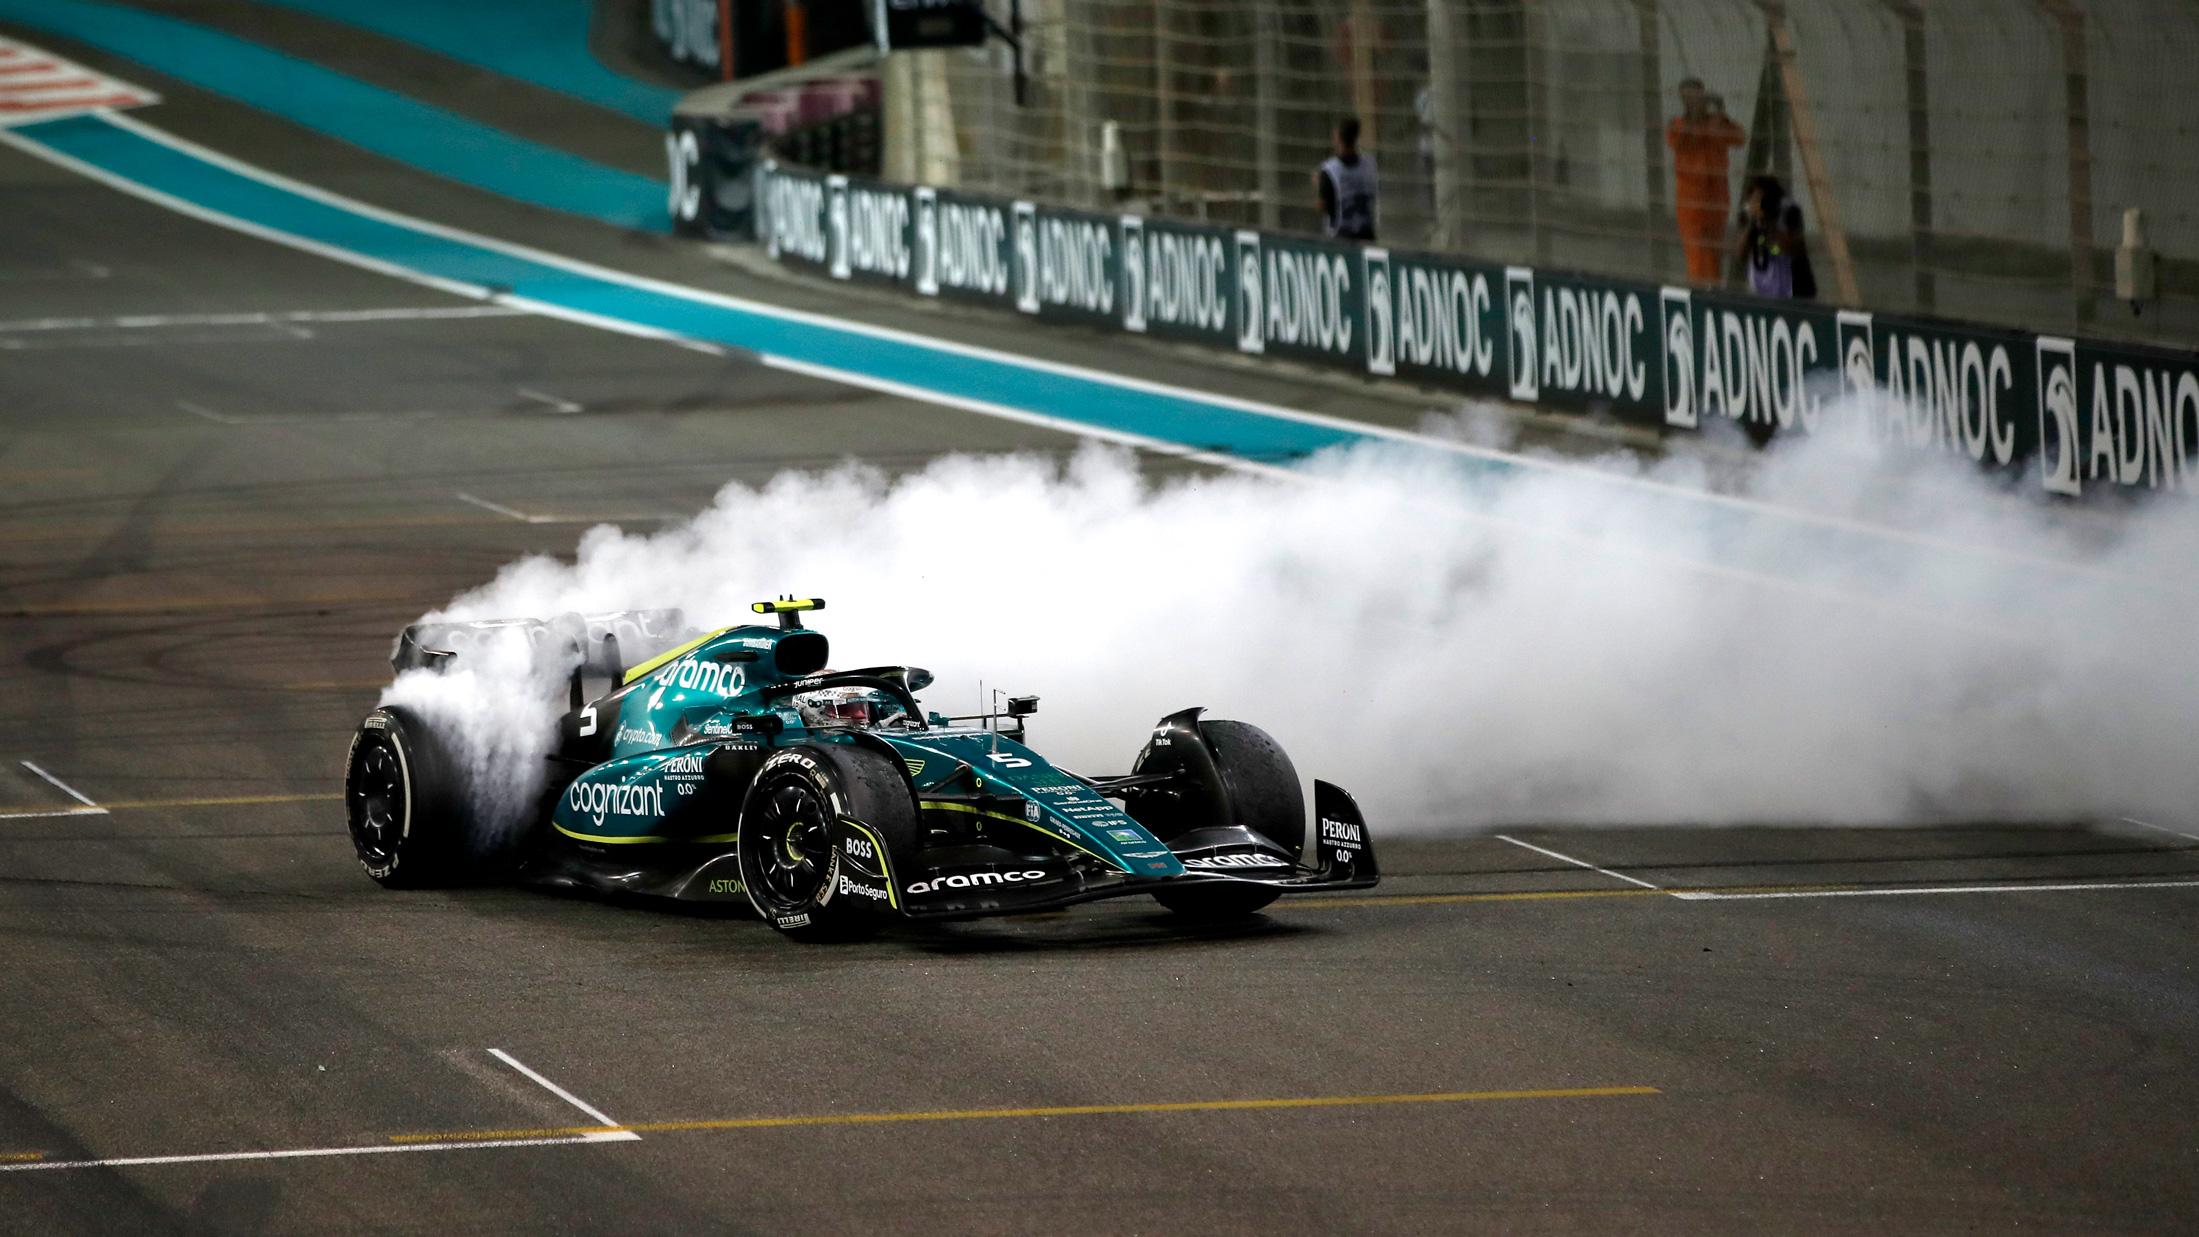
404 803
812 829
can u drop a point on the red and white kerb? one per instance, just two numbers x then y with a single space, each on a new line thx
37 85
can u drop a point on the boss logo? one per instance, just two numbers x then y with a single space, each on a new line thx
860 848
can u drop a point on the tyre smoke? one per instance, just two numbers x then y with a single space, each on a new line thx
1842 636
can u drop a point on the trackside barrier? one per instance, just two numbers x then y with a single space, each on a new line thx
2068 416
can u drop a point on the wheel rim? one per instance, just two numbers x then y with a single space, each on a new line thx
377 805
789 844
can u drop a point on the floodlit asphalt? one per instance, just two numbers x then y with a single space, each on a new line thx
209 530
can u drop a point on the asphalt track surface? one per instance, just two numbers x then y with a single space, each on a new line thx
214 515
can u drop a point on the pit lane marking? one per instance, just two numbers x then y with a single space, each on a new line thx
1578 863
606 1129
1078 1110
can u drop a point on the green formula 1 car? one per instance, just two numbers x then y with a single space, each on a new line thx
734 767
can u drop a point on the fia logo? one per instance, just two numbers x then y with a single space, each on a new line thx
1381 313
1519 295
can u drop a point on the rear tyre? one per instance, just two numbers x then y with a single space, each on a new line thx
405 802
1260 789
794 831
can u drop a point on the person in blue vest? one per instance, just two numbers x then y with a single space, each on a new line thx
1347 187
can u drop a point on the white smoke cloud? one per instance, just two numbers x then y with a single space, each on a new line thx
1461 648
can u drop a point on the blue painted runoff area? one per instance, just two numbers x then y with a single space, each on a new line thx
1729 534
1167 415
539 41
366 116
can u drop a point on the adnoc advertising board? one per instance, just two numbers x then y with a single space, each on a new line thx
1068 265
2070 416
964 247
1178 281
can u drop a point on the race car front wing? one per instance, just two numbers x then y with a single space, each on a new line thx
1342 858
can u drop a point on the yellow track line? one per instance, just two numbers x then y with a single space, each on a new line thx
184 605
19 1157
1422 900
223 802
1080 1110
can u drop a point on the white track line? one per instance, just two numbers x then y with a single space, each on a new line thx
502 510
301 1153
1705 895
612 1136
135 322
562 405
2174 833
1578 863
64 787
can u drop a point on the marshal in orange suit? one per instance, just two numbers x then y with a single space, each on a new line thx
1699 138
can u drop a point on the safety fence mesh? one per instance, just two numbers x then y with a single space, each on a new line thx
1976 156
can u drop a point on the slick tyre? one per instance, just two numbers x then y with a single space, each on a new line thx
1261 788
811 831
406 803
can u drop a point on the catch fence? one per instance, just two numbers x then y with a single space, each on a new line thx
1973 158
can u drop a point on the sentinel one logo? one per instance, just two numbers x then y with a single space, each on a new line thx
709 676
598 800
974 880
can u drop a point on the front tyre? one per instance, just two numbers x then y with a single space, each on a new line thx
1259 788
405 803
811 826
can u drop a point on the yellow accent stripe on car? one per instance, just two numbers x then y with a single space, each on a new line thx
718 837
893 896
662 658
590 837
936 805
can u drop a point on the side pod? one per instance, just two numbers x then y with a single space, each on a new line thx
1342 850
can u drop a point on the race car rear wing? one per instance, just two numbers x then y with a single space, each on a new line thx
602 643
